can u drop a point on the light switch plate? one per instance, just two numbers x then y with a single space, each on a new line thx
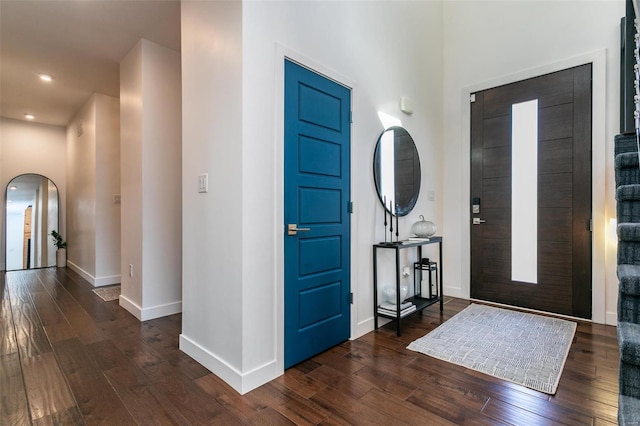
203 183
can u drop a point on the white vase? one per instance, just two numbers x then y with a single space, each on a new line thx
61 258
390 293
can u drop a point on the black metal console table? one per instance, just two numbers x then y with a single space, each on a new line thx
419 302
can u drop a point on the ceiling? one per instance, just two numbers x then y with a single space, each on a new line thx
80 43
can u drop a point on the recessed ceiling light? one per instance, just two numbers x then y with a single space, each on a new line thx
29 116
13 187
45 77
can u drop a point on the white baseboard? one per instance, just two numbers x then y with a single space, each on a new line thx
362 328
159 311
241 382
133 308
95 281
368 325
453 292
84 274
144 314
259 376
109 280
611 318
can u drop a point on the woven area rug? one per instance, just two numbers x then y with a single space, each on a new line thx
523 348
108 294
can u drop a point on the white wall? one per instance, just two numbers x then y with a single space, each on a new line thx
212 223
150 105
107 220
93 177
32 148
383 50
131 176
81 183
161 179
486 43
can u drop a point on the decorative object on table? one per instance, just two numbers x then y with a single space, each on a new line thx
385 219
423 228
390 293
526 349
397 225
388 308
61 252
425 267
390 221
390 210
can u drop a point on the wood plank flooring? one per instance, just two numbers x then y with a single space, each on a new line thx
67 357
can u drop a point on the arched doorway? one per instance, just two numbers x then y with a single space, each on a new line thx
32 212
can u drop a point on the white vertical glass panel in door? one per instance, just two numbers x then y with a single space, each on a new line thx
524 192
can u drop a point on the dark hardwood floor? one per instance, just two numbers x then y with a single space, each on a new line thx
67 357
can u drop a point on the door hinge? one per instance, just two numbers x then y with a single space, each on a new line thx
590 225
351 298
472 98
350 116
350 207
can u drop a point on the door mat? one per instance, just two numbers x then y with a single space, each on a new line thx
526 349
108 294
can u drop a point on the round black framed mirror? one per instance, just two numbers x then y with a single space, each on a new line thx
396 171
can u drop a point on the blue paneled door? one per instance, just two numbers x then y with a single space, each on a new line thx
317 133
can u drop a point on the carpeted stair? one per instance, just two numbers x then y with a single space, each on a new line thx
629 288
628 197
627 168
627 175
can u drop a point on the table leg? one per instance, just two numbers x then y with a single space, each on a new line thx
398 320
441 277
375 287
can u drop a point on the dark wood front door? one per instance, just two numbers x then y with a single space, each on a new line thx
560 242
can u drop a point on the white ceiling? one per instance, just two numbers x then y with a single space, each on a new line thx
80 43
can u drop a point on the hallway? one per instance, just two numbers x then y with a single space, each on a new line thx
67 357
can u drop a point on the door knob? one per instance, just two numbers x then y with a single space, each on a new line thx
478 221
292 229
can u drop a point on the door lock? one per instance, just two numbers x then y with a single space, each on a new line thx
292 229
478 221
475 205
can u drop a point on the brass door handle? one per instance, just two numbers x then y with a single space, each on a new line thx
292 229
